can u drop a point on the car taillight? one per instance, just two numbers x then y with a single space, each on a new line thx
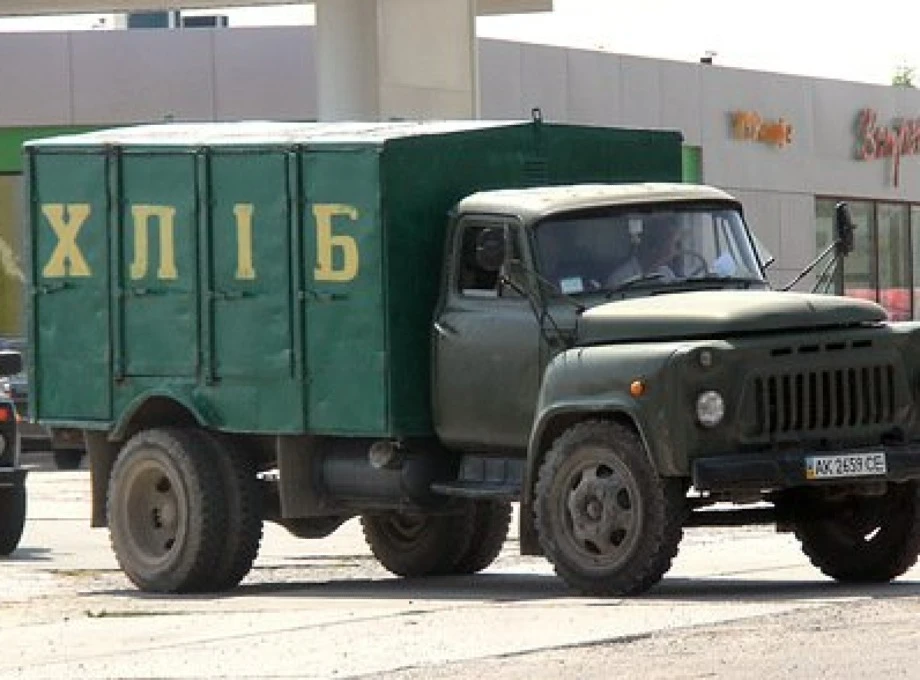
6 413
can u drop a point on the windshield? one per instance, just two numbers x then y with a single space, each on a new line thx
616 248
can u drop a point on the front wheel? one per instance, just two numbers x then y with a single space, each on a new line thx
608 523
12 517
864 539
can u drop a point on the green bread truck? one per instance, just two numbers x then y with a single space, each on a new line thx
419 323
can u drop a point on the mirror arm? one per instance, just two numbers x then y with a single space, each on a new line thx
811 265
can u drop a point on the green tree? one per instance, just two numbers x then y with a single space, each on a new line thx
903 76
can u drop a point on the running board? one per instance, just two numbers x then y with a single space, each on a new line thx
484 477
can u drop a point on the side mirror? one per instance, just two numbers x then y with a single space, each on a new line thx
10 362
843 228
490 249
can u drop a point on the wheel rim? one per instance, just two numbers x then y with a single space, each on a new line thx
601 509
155 511
403 529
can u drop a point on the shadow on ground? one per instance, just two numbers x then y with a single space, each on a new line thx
536 587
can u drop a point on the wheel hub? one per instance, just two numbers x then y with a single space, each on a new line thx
600 510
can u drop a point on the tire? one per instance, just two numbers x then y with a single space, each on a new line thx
414 545
12 517
68 459
167 513
864 539
491 522
244 512
604 518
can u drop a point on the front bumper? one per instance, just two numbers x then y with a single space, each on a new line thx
766 471
12 477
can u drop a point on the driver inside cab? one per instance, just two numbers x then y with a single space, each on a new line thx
656 243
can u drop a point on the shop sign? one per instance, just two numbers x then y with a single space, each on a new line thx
874 141
751 127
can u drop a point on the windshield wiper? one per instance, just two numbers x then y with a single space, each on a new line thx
632 281
716 278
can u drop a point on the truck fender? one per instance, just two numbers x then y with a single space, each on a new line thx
158 408
550 423
151 409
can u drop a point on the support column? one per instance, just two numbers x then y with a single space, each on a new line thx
385 59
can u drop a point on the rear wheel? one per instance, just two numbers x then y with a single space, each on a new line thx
415 544
167 512
12 517
68 459
244 512
608 523
491 522
864 539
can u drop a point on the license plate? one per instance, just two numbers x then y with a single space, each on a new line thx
849 465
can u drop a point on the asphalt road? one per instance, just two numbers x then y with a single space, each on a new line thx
737 603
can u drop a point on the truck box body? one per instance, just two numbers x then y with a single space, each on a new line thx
271 277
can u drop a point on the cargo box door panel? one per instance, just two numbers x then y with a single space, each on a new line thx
251 265
159 268
71 292
343 298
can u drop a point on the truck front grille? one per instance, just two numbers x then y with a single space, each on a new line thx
811 401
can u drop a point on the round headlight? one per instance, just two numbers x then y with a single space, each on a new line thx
710 408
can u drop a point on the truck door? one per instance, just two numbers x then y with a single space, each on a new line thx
486 352
71 327
251 263
159 267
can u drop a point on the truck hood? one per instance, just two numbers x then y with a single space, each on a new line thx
720 314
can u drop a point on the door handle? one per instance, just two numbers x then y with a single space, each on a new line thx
322 296
55 287
141 292
232 294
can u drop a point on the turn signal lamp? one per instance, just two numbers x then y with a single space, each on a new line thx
637 388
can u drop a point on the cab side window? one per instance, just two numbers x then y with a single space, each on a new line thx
472 279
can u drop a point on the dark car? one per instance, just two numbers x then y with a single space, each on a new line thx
12 476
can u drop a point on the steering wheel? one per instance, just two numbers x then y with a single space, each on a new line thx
700 262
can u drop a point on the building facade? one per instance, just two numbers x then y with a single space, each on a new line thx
789 147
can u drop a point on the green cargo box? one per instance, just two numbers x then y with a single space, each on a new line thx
270 277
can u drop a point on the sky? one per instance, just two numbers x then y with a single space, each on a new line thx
842 40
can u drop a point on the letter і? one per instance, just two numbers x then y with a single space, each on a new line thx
66 221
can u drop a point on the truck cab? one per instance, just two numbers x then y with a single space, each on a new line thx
497 329
628 344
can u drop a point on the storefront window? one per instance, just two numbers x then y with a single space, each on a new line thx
824 227
859 278
859 268
915 256
894 260
885 263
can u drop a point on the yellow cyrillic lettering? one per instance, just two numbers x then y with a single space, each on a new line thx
165 216
244 267
327 242
66 221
